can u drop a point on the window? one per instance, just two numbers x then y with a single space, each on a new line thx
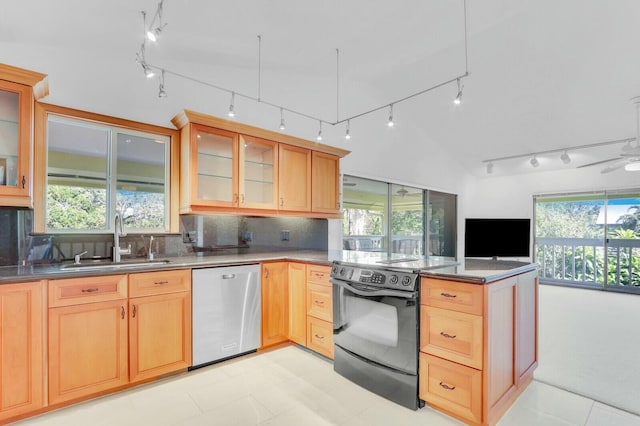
96 168
390 218
589 240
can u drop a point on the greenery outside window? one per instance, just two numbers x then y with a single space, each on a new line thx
390 218
96 168
589 240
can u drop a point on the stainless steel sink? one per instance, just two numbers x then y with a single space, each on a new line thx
108 265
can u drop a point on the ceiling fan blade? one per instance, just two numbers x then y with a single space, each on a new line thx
613 167
598 162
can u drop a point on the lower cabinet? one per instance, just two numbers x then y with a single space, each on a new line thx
478 345
100 339
319 310
297 303
275 303
160 324
21 349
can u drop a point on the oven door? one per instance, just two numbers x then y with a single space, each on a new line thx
379 325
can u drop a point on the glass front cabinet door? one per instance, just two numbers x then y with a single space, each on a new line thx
258 173
17 90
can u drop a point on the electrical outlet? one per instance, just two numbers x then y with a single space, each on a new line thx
284 235
247 236
189 237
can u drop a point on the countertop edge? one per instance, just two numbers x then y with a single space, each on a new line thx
470 278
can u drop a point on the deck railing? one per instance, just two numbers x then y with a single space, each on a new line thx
582 262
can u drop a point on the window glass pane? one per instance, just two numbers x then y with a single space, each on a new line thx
407 220
441 214
623 240
572 216
365 214
140 181
76 175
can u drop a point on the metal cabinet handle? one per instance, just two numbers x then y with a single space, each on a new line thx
448 336
266 272
241 198
448 295
161 282
447 387
90 290
318 337
228 276
318 302
24 181
281 201
135 311
235 198
122 312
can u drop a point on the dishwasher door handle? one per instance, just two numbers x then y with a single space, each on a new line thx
228 276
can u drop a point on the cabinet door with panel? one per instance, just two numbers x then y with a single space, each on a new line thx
88 336
294 178
275 303
258 169
325 183
213 165
16 123
21 349
159 323
297 303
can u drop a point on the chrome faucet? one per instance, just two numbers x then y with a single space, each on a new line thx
118 232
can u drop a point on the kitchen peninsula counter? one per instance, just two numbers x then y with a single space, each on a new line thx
480 271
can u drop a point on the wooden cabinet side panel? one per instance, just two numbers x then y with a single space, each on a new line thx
325 192
87 349
21 348
499 343
159 335
297 303
526 324
275 303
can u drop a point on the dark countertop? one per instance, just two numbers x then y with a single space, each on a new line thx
478 271
481 271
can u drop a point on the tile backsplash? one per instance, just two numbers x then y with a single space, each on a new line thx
202 235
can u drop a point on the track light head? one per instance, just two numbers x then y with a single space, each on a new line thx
565 158
347 134
282 126
458 98
319 137
534 162
390 123
161 93
231 112
148 71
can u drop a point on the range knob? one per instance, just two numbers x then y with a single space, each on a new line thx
334 270
343 271
393 279
406 280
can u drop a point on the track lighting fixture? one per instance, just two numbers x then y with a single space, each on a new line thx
347 135
390 122
231 112
282 126
148 71
319 137
140 57
534 161
152 33
565 158
489 168
458 99
161 92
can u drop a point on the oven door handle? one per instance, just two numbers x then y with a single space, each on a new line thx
382 292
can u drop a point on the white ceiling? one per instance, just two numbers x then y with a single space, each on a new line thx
544 74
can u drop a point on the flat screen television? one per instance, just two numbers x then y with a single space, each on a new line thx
497 237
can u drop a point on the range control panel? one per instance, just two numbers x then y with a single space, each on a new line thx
379 277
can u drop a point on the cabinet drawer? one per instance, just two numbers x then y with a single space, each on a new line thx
451 387
320 336
319 302
453 295
452 335
75 291
151 283
318 274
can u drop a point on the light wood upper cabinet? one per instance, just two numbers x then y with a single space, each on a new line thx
229 167
21 349
275 303
258 173
294 178
325 183
18 89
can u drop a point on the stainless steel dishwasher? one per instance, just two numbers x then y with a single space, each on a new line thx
226 312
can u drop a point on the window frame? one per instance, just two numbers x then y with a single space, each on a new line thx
42 111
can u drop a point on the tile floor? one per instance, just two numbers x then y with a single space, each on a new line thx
291 386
